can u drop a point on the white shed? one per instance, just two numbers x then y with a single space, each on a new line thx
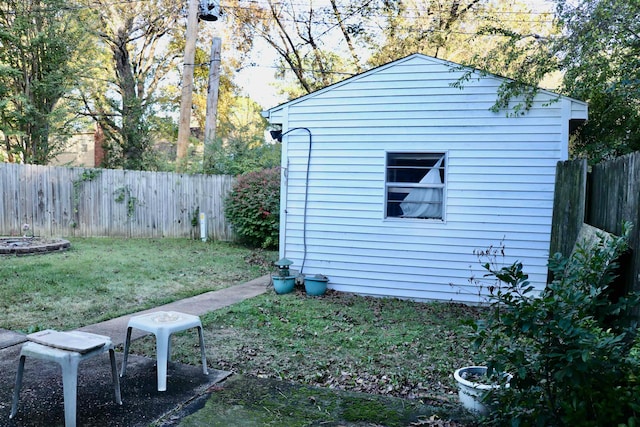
392 179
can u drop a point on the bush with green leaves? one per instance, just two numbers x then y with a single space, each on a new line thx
236 157
572 349
253 208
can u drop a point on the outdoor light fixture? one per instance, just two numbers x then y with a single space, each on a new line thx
276 134
283 266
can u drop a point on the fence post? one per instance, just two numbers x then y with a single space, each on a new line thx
569 203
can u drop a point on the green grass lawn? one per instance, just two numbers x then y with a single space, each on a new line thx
387 347
102 278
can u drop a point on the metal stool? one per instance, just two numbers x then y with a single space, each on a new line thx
162 324
69 361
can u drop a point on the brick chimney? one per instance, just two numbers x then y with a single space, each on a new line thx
98 142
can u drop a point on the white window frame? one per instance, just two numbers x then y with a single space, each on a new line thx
425 161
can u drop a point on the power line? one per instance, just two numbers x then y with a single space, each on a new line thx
97 6
301 4
482 21
49 10
478 21
485 22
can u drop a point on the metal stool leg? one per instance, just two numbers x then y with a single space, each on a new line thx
16 389
127 342
202 352
114 376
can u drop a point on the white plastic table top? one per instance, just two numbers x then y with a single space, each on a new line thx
171 321
81 342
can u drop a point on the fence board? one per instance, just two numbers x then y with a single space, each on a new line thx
615 198
110 203
568 205
612 197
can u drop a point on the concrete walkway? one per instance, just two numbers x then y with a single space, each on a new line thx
41 394
198 306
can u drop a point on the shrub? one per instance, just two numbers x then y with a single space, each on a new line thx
233 157
572 352
253 208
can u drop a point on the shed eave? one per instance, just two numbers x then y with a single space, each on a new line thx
269 112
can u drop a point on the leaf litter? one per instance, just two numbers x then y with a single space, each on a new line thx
379 346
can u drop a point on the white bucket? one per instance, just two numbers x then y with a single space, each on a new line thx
472 393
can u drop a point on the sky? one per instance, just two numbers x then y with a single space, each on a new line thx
258 80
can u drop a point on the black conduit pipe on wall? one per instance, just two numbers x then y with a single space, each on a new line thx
277 135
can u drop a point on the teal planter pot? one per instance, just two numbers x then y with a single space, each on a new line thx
283 285
315 285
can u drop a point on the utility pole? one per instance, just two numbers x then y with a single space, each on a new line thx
212 101
184 126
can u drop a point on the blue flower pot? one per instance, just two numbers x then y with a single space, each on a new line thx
315 286
283 285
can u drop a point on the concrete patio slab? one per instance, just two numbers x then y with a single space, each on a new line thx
41 400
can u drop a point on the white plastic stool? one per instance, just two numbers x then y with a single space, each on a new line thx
162 324
69 361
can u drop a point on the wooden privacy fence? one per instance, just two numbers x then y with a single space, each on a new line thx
604 198
59 201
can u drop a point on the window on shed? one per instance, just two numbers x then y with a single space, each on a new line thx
415 185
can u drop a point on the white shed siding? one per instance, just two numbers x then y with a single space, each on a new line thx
500 177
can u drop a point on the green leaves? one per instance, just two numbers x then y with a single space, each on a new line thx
571 349
253 207
594 45
38 58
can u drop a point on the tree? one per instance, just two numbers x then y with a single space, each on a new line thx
601 58
240 146
595 46
424 26
316 45
322 45
121 102
518 48
240 143
40 42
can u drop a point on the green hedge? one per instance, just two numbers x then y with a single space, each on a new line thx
253 208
